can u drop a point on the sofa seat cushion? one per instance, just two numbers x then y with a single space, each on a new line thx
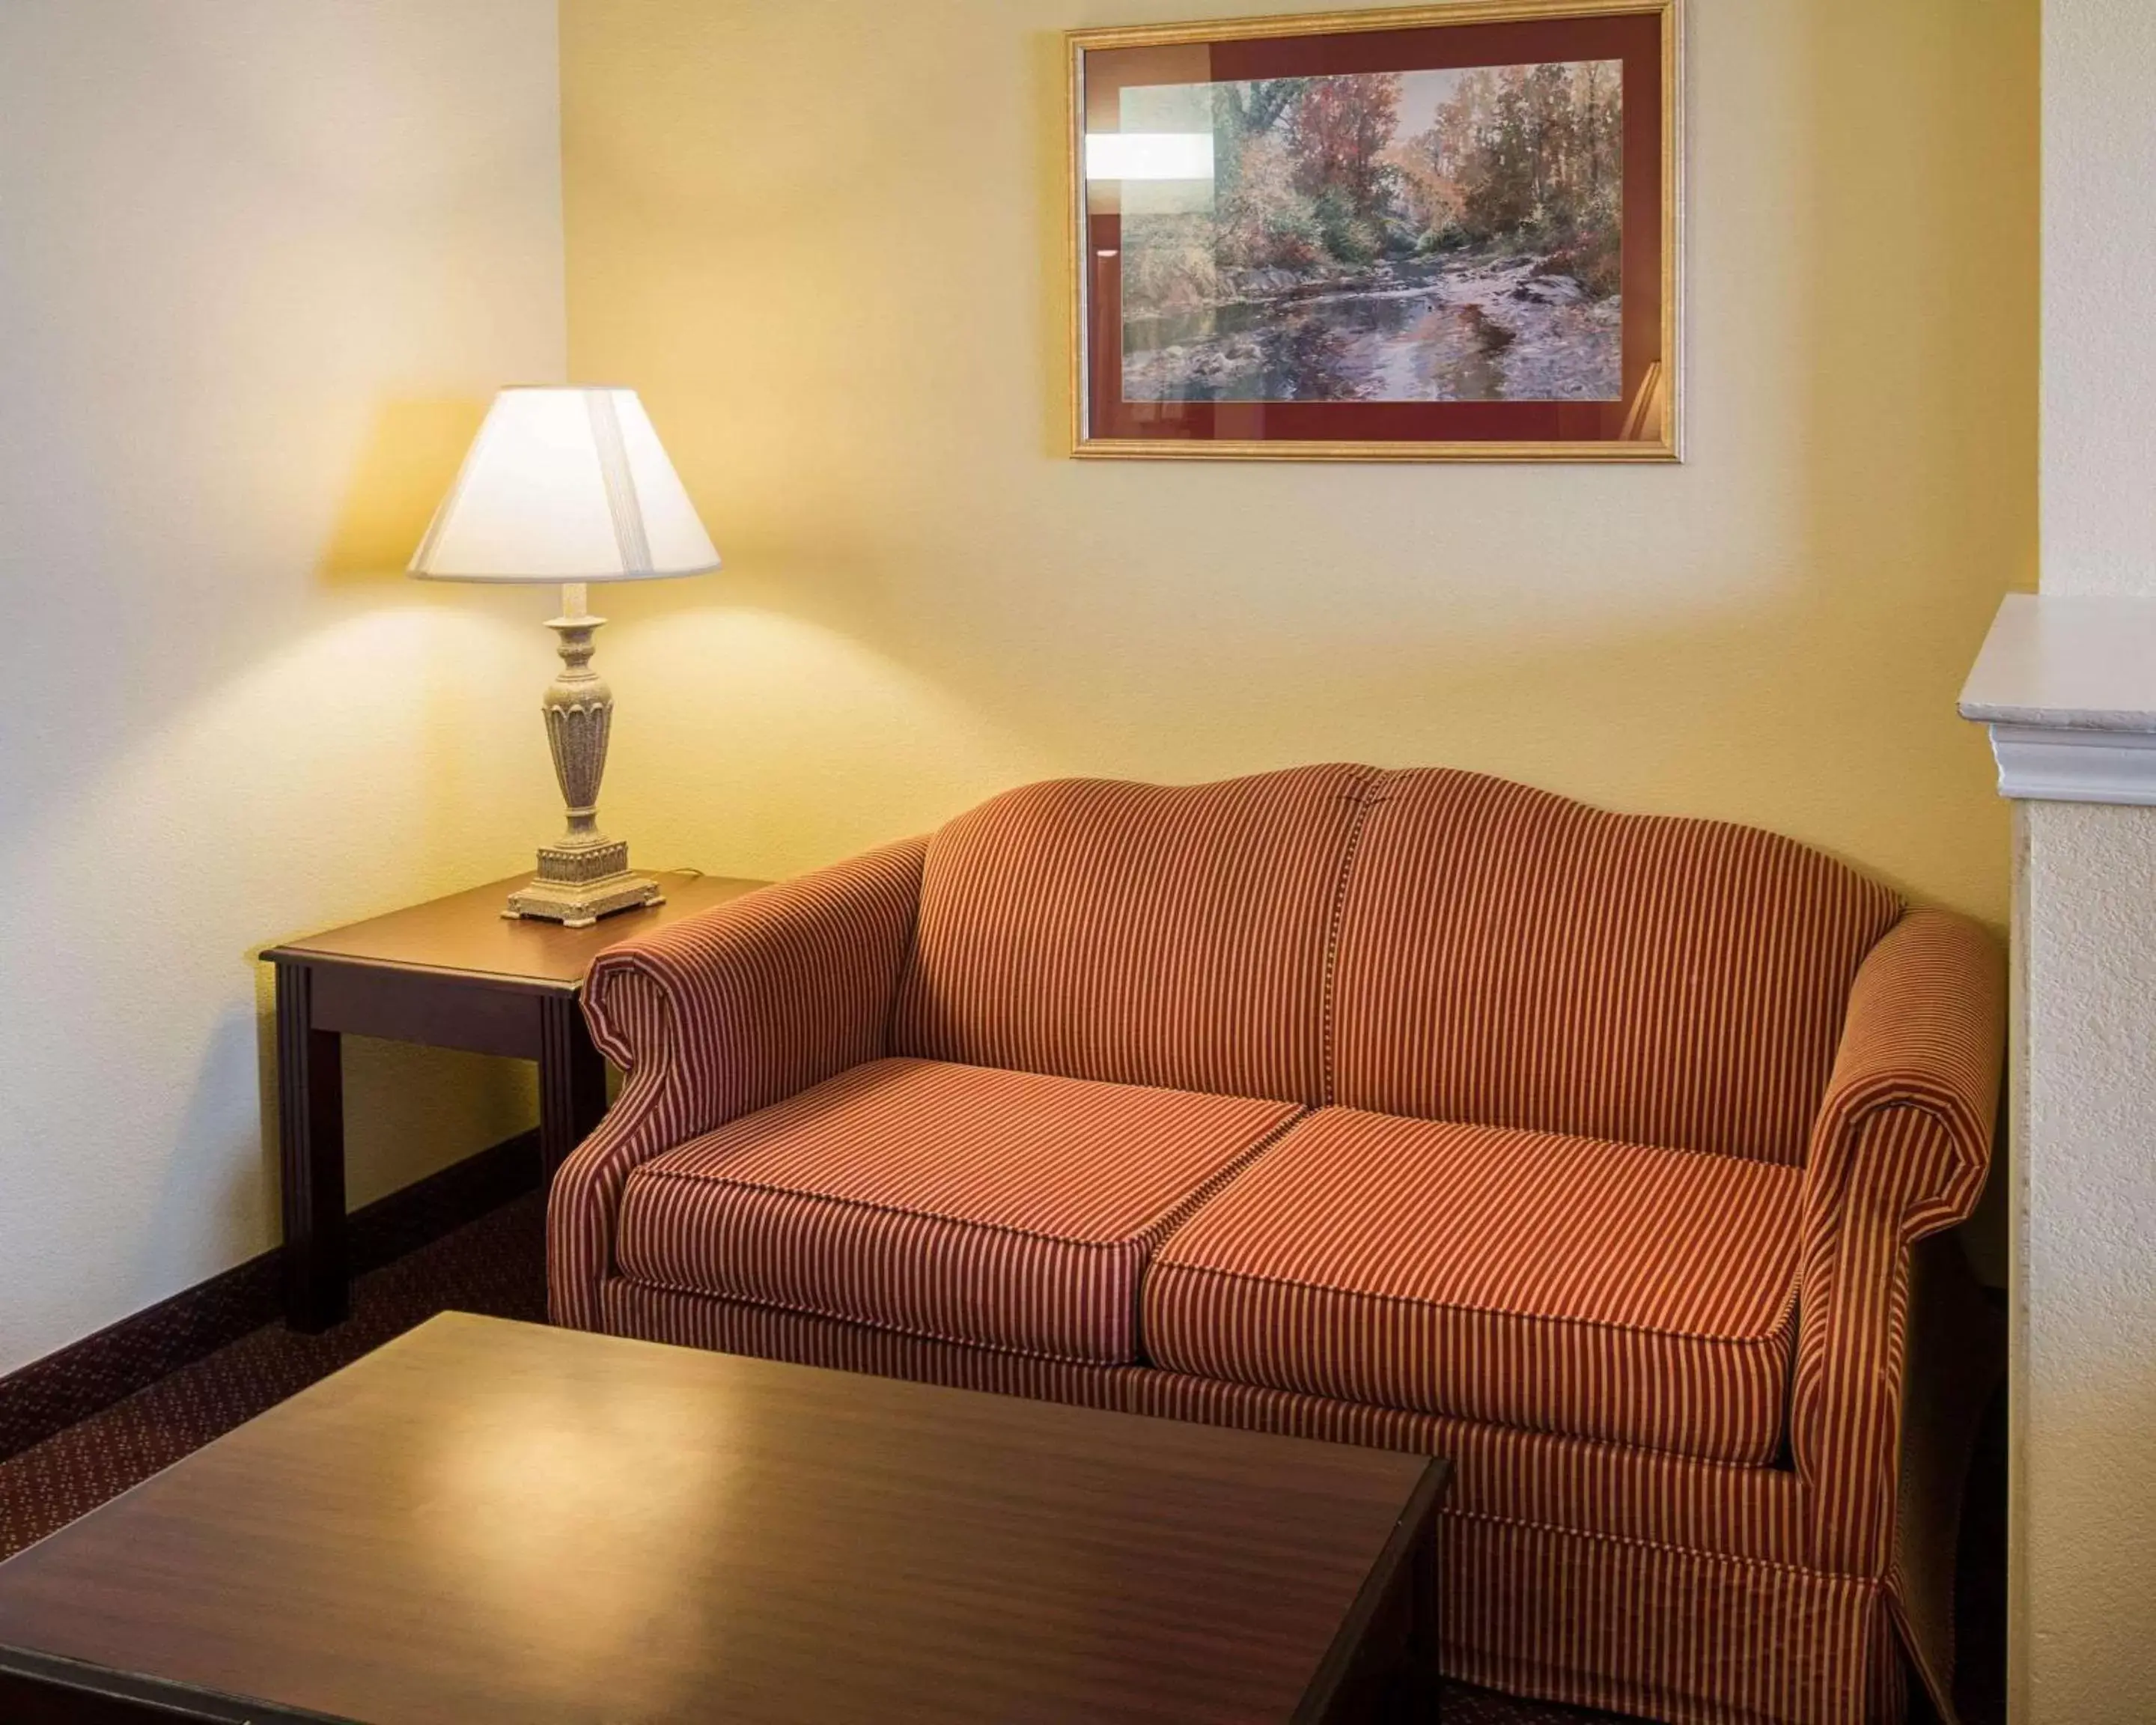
1006 1209
1596 1290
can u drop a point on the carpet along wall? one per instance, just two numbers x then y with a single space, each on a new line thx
264 260
825 239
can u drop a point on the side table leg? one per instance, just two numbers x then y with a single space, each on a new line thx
571 1081
310 1147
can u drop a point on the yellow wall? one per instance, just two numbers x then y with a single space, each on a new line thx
263 262
824 239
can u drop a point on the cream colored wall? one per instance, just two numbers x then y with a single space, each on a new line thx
263 262
825 239
2084 1341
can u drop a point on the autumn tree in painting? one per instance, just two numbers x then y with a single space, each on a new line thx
1337 136
1530 157
1244 114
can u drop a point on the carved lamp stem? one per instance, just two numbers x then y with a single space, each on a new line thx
579 710
583 875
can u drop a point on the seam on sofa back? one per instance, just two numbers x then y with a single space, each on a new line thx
1371 795
908 947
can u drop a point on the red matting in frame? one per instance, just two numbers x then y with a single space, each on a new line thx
1635 39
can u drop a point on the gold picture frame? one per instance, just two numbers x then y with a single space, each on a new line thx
1645 422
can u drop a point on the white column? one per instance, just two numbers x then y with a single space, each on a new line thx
2084 1562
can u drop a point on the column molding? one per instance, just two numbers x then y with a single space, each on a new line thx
2067 687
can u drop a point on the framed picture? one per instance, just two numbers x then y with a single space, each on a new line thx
1442 233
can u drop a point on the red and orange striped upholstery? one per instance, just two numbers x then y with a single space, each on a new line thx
1514 959
1562 1284
1144 934
1005 1208
1625 1130
1900 1150
720 1015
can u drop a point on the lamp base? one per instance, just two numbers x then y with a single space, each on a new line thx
577 884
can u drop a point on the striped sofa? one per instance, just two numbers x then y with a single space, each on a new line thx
1409 1108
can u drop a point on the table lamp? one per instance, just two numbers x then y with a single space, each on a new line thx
570 485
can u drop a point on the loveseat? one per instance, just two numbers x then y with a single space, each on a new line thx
1419 1109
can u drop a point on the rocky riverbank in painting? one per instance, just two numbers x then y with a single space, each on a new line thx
1498 327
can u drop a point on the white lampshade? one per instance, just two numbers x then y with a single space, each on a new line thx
565 485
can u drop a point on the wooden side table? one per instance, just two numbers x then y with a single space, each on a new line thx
452 973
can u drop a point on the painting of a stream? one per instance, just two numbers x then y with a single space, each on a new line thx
1402 236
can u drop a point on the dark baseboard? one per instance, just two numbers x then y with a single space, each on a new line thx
86 1377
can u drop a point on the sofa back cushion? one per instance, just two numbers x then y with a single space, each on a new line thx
1509 957
1143 934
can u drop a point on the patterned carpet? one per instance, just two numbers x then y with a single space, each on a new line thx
492 1265
495 1266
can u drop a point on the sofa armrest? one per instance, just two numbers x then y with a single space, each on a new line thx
718 1015
1900 1150
1926 1029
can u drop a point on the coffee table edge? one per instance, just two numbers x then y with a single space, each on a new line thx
1417 1520
54 1674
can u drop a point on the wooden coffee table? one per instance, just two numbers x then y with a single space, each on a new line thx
486 1522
